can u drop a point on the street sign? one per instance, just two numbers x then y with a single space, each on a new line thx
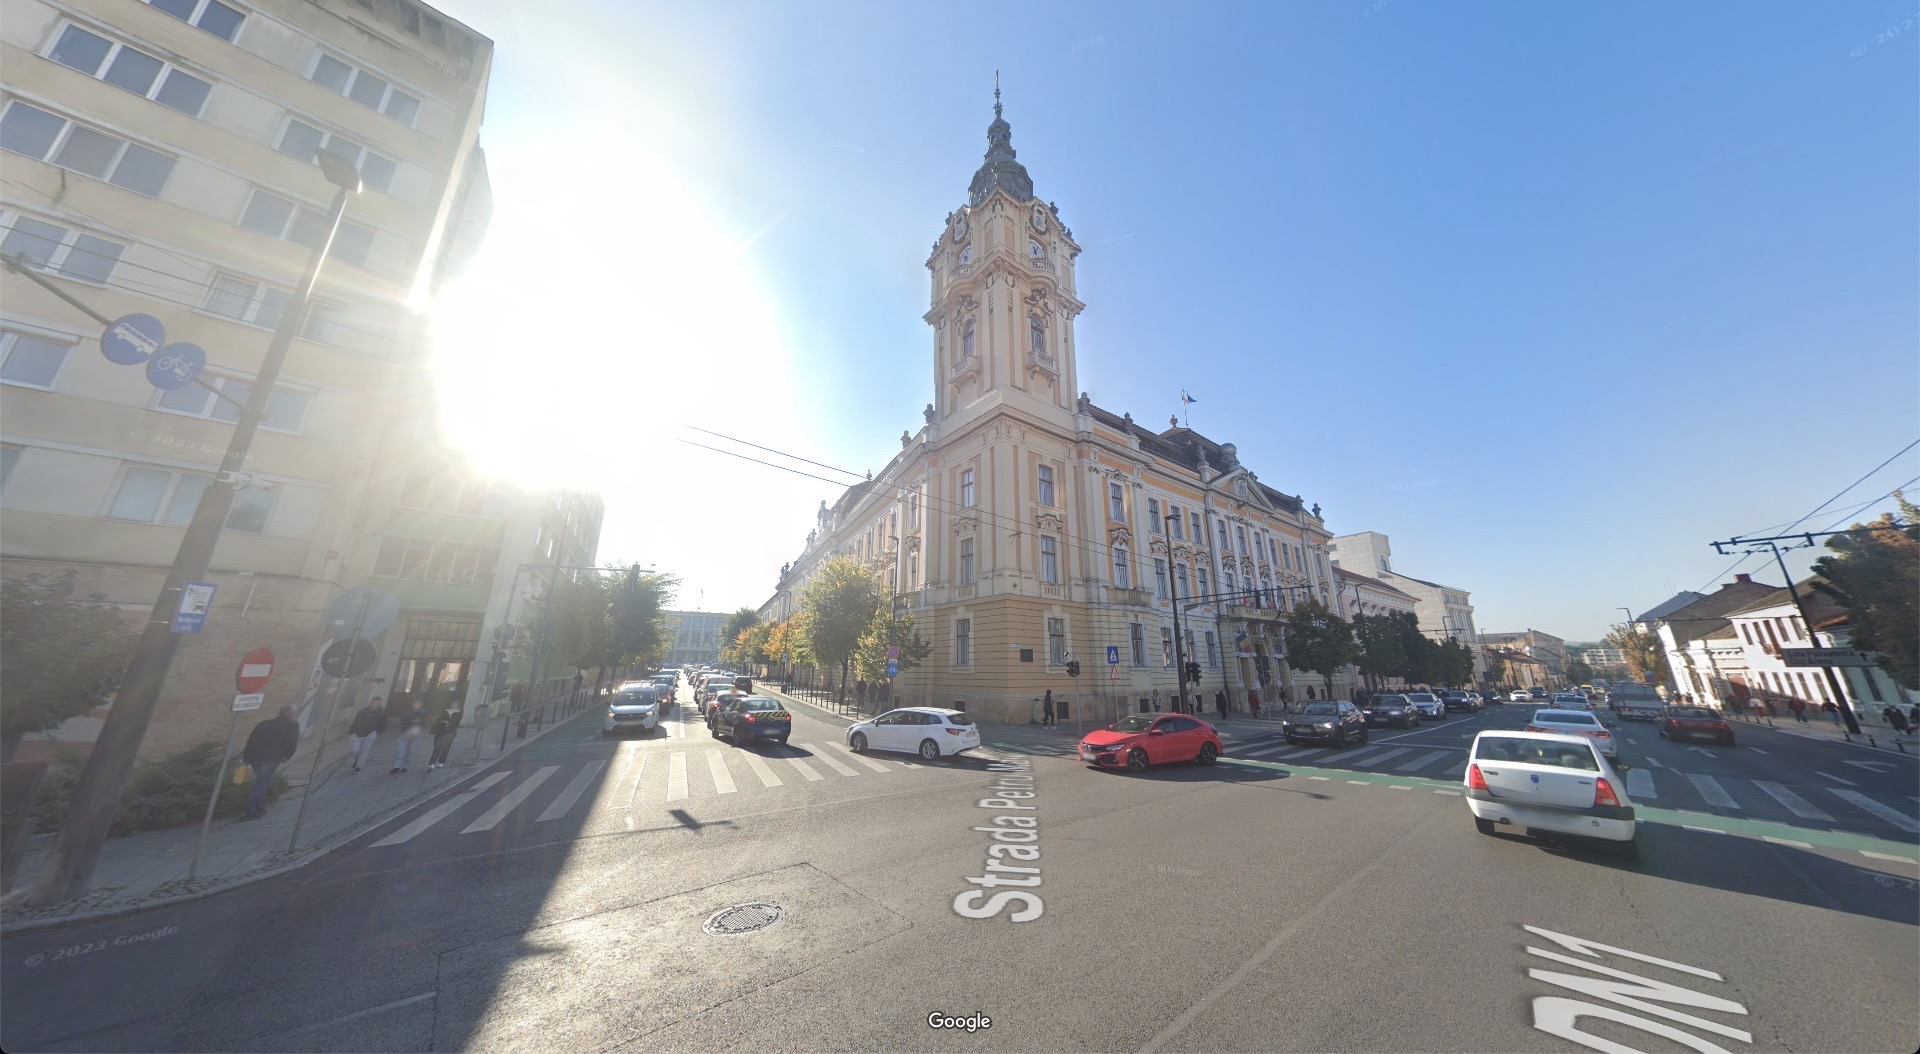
893 653
1824 657
132 339
893 668
381 612
175 366
244 702
1113 655
347 658
254 670
196 599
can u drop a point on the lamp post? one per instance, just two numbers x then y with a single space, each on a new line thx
1179 649
101 782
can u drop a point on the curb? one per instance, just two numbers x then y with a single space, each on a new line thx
312 853
1796 733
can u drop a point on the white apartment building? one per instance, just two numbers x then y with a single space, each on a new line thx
1445 612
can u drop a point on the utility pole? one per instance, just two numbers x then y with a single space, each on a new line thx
1179 648
70 866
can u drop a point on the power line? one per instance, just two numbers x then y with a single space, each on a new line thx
770 450
1850 513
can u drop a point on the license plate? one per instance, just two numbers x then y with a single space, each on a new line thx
1086 754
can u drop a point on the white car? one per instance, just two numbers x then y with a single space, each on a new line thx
1575 723
635 705
1546 782
1428 704
1519 695
1570 701
924 730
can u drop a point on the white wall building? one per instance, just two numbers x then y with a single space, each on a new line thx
1445 612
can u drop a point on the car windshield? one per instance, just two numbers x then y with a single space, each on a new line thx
959 719
1135 723
1422 697
758 704
633 698
1320 708
1531 751
1691 712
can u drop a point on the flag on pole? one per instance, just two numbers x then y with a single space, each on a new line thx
1185 398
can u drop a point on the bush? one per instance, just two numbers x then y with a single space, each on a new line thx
166 793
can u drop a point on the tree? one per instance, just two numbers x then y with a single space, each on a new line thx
1643 654
749 646
60 656
836 607
730 630
1875 575
1319 641
870 661
637 621
1452 663
1578 672
780 642
1418 649
1381 653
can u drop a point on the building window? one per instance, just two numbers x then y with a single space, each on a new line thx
304 141
425 560
1153 515
1176 523
1137 637
1213 649
1205 589
1056 641
259 304
1159 578
1122 575
424 490
1049 560
366 89
286 410
1273 551
966 339
1224 547
67 253
1240 535
1198 534
9 457
963 642
966 561
966 488
130 68
1037 333
1286 558
37 134
1046 484
276 217
157 495
913 569
211 15
1166 647
913 511
1180 590
31 361
1116 503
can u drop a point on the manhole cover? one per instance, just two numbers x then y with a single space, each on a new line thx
743 918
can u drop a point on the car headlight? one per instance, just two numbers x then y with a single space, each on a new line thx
1325 726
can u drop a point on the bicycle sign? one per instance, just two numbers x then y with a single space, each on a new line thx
176 366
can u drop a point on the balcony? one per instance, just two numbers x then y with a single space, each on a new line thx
966 367
1129 597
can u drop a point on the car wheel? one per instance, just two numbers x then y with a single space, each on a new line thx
712 730
1208 755
929 750
1483 826
1364 733
1292 742
858 743
782 741
1137 760
1340 740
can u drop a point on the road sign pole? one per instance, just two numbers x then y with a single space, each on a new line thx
320 740
206 822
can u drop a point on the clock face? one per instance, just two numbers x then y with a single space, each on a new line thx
1039 217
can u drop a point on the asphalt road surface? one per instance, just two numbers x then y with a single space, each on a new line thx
1285 899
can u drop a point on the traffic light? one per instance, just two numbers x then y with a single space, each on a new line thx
1193 672
1073 667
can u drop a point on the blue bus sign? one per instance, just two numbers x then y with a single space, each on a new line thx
893 668
196 599
1113 655
132 339
176 366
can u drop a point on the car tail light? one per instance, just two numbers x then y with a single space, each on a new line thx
1475 781
749 719
1603 793
955 732
1603 735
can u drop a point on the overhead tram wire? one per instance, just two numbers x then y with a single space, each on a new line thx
1856 510
771 450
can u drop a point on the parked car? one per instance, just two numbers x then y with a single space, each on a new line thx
1569 701
749 717
1391 710
1695 722
1548 782
1140 740
1574 722
928 731
1428 704
666 683
1329 721
721 696
1538 695
633 706
744 683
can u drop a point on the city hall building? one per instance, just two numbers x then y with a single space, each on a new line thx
1024 526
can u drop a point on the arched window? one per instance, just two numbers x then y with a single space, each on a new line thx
966 340
1038 333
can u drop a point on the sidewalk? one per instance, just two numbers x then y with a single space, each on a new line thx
150 868
1873 734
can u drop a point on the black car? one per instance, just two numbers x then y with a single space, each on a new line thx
1337 722
1455 700
1391 710
751 717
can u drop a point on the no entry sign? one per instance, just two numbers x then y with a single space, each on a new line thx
255 669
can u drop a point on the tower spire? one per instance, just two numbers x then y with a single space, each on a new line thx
999 169
996 93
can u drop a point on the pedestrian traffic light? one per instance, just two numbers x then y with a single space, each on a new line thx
1073 667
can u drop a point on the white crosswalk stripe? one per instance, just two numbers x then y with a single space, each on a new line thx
492 817
440 812
828 760
798 762
1712 791
761 769
559 806
861 758
1263 752
1885 812
1640 785
1361 753
722 779
1794 803
1388 756
676 775
1423 760
1303 754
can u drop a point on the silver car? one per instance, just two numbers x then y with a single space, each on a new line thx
1428 705
634 707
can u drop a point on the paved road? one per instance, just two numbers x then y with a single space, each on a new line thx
1332 902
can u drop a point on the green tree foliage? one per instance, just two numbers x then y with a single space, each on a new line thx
884 631
1875 575
1381 652
736 623
836 608
1643 654
60 655
1418 651
637 630
1319 641
1578 672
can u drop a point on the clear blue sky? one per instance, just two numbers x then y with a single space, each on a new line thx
1552 294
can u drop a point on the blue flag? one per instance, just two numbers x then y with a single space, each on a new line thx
1185 398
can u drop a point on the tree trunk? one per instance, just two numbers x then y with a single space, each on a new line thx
8 746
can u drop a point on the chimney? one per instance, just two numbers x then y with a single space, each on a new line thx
1743 580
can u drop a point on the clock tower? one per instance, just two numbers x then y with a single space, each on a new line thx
1003 298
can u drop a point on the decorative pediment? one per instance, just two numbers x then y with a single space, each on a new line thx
1048 521
1228 563
1157 547
966 304
913 543
966 522
1118 534
1038 301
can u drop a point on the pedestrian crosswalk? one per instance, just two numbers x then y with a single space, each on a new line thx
639 778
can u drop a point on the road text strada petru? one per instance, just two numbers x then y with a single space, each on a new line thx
1016 836
1636 1000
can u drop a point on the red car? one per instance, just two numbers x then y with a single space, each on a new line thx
1150 739
1694 722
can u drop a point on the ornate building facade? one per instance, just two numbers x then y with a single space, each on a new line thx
1023 526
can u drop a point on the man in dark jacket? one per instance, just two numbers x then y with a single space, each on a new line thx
367 726
269 746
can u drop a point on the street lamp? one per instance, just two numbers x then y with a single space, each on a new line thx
95 795
1179 650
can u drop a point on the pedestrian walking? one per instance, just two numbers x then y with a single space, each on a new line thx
1895 718
1913 716
443 733
1220 704
367 726
860 693
411 728
1156 700
268 747
1253 704
1832 710
1046 711
1799 708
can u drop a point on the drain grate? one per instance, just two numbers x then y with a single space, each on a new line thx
743 918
